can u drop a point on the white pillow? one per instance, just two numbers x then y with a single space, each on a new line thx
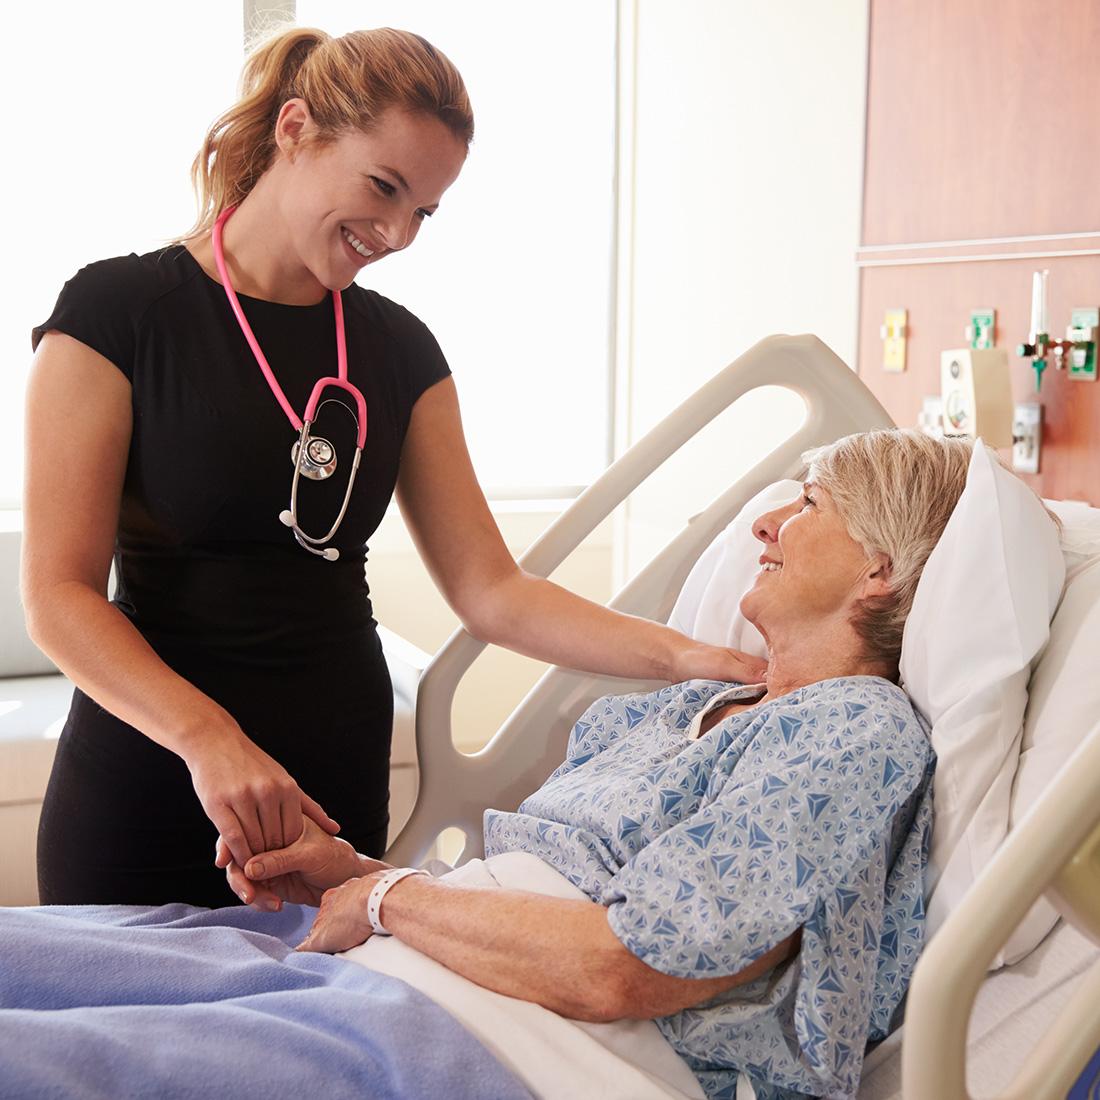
708 607
980 616
1080 533
1063 708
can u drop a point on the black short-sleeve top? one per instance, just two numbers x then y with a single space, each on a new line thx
202 557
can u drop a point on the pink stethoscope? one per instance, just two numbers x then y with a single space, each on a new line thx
313 456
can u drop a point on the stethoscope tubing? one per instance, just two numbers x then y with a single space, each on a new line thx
300 424
357 396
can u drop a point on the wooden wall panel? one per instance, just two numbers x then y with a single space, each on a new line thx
939 298
983 127
985 110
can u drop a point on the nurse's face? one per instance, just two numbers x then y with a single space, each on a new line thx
811 569
365 196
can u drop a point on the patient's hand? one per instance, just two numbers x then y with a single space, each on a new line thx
299 873
697 661
342 922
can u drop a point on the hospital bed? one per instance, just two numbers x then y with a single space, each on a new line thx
1054 991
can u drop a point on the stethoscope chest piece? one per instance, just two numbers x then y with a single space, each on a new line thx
319 459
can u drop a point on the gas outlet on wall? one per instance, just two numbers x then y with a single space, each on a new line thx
981 333
1083 329
1027 434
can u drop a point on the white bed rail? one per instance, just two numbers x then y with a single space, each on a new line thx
455 788
1055 849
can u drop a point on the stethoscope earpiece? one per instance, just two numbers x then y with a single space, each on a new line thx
330 553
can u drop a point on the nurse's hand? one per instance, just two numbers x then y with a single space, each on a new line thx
299 873
697 661
250 797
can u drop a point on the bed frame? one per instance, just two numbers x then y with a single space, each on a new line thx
1056 848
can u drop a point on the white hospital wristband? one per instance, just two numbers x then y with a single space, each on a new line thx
381 888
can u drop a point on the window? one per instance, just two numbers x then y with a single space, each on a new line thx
114 102
513 274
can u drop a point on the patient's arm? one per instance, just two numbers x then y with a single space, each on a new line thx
556 952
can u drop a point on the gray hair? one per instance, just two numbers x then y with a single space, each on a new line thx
895 490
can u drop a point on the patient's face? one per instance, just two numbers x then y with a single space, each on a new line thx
811 568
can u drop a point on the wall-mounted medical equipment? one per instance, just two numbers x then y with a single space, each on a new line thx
894 332
977 394
1027 437
930 417
1082 333
1038 341
1077 350
981 333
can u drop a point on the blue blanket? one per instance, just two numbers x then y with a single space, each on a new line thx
178 1002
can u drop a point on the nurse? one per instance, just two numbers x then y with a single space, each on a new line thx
236 681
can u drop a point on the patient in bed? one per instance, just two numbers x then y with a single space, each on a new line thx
749 857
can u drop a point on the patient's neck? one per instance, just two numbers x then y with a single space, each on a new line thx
808 656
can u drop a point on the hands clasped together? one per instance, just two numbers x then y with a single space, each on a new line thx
253 801
316 869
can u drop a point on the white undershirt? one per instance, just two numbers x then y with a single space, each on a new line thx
740 693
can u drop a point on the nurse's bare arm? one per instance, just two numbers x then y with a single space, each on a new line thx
559 953
450 522
79 423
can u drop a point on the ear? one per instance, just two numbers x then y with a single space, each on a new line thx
292 124
877 581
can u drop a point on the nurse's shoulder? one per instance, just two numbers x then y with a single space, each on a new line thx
412 355
399 324
103 303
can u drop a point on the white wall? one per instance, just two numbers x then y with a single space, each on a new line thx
742 187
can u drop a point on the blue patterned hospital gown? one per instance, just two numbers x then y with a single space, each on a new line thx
813 811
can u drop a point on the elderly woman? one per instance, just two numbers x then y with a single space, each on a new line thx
749 857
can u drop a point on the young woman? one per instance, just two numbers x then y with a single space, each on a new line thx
236 681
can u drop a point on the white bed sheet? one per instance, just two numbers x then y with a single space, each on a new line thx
1014 1006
